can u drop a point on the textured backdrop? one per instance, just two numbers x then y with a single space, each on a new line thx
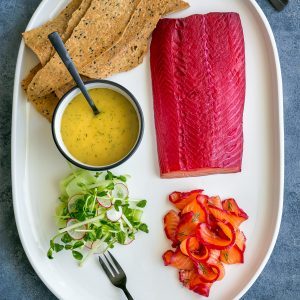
281 277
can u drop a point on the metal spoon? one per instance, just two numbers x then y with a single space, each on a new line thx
60 48
279 4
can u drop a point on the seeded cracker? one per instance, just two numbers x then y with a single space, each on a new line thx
129 51
37 39
103 24
64 89
131 54
44 105
173 6
75 19
26 81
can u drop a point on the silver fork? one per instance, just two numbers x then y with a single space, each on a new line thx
116 276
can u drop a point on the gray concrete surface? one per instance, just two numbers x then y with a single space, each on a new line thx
281 277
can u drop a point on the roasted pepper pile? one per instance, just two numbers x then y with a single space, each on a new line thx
205 234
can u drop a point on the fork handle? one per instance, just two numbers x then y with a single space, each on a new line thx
129 297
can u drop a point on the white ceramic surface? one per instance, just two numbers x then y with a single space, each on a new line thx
37 167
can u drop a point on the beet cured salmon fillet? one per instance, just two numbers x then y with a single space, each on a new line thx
198 81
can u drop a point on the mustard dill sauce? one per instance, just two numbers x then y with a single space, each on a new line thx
103 139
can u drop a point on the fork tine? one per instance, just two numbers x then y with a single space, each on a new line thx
111 266
105 268
120 270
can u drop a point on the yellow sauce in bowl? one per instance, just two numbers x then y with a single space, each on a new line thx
103 139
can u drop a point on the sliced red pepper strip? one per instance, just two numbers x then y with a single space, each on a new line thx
196 250
214 256
215 201
208 273
231 206
228 230
240 240
221 269
209 218
202 289
225 216
203 199
181 261
187 226
234 255
214 259
197 208
171 222
222 236
194 245
185 276
183 247
167 257
180 200
193 281
175 197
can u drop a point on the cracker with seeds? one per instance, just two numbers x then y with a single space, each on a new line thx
37 38
44 105
130 50
103 24
120 51
127 52
75 19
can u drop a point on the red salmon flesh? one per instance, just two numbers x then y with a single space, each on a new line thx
198 80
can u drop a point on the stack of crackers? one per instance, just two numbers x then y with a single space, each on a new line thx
103 37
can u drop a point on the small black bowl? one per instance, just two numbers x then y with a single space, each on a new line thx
68 97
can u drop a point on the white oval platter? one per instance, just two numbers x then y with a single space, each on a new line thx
37 167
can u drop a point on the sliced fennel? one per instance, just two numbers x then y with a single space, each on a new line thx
95 213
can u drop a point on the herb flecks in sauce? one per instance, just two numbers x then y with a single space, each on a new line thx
103 139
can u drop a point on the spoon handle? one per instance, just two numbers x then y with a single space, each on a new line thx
279 4
60 48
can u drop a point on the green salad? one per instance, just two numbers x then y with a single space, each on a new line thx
95 213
